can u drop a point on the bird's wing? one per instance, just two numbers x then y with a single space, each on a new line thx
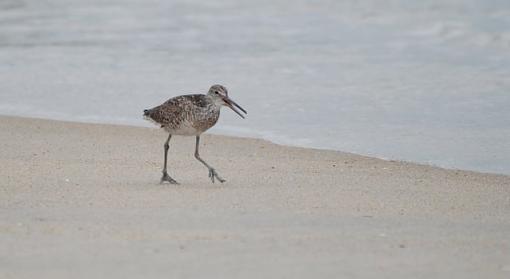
167 112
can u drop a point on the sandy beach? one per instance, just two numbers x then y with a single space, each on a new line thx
84 201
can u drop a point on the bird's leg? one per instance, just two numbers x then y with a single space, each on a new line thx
212 172
165 176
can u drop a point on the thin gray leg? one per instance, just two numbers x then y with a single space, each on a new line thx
165 176
212 172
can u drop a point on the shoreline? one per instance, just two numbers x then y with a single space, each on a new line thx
84 200
127 125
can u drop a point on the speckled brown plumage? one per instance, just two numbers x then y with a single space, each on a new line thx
191 115
186 115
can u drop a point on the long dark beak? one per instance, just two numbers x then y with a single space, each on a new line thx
233 105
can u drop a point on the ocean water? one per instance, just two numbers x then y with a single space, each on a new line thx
422 81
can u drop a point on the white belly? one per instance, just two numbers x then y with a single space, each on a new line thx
185 129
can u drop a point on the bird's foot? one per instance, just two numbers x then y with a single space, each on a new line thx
213 174
167 177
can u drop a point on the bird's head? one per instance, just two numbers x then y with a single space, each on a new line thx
219 94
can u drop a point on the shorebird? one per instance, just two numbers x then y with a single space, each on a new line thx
191 115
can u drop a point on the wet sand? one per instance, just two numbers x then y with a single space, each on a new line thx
84 201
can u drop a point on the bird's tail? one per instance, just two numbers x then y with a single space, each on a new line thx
147 114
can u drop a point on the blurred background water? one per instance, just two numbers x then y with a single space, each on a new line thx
423 81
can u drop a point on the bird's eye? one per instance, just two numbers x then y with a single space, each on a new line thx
216 92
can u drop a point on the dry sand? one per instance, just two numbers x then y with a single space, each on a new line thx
84 201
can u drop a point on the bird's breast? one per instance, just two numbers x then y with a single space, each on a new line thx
194 122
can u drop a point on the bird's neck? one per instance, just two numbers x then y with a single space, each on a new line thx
215 103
